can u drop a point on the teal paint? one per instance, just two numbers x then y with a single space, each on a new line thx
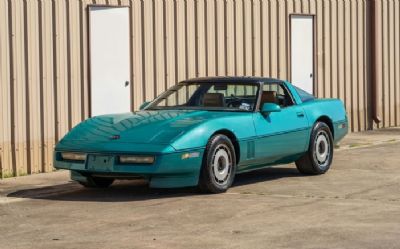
264 139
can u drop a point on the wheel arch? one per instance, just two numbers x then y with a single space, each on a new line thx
233 139
325 119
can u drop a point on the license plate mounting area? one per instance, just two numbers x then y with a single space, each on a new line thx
100 163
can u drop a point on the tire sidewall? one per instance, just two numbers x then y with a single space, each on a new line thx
207 179
320 126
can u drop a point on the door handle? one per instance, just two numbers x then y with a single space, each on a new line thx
126 83
300 114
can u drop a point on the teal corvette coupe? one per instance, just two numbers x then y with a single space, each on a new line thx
204 131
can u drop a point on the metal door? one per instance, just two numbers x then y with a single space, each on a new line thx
109 60
302 52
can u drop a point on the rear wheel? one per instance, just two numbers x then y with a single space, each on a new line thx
97 182
318 158
219 165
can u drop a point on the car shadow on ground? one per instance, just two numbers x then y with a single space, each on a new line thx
138 190
265 175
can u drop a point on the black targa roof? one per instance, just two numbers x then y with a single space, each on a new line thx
232 80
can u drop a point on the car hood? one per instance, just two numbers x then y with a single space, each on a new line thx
143 127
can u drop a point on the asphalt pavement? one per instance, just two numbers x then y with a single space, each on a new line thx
355 205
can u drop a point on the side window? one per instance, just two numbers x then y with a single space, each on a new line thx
304 96
236 96
280 93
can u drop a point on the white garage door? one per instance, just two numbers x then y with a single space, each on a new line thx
109 60
302 37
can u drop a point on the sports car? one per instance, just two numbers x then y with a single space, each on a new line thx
204 131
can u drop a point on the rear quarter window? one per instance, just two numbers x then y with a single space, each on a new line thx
304 96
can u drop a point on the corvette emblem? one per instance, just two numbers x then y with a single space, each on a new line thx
115 137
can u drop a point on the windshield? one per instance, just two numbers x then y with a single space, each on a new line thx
208 96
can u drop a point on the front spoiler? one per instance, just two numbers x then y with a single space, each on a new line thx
168 170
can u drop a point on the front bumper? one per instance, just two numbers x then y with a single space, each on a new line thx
168 171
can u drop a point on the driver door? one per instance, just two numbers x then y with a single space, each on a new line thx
283 135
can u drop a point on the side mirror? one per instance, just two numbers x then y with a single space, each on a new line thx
270 107
144 105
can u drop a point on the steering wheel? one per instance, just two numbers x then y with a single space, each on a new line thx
281 99
234 102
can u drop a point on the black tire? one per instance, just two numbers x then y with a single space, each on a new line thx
97 182
213 180
315 161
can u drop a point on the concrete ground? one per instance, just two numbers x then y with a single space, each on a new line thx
355 205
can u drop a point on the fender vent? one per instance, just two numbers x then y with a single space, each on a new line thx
251 149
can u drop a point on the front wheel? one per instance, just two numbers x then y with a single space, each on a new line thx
318 158
97 182
219 165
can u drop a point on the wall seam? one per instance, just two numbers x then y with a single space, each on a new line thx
55 73
69 71
262 37
81 57
155 78
186 43
253 38
165 45
27 91
216 47
226 38
244 37
41 82
12 86
196 41
234 40
206 36
143 51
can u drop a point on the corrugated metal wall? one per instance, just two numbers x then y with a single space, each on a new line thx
390 62
44 59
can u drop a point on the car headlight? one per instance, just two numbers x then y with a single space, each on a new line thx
73 156
137 159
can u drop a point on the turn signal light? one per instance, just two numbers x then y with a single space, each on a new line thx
137 159
73 156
